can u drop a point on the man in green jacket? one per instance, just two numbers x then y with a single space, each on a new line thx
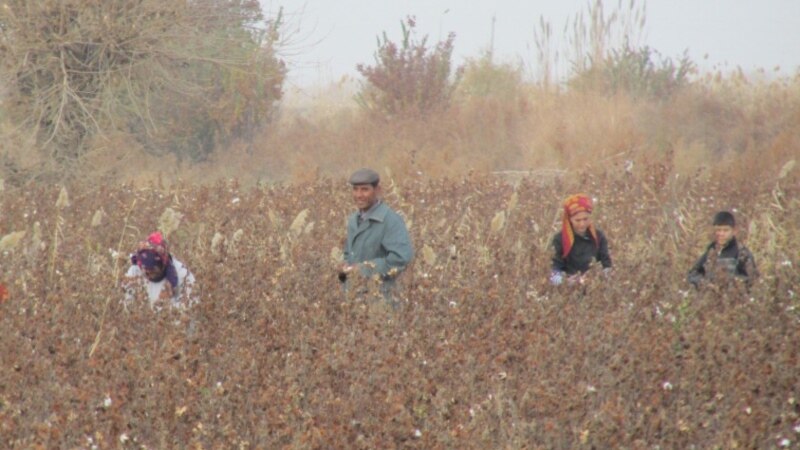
378 244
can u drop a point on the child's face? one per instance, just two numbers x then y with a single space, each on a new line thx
723 234
580 222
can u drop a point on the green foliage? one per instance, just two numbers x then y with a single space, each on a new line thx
639 72
409 78
179 76
482 77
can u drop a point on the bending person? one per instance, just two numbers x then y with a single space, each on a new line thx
156 273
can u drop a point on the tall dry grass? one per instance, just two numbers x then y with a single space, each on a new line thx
715 126
483 352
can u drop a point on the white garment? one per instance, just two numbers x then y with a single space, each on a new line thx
181 295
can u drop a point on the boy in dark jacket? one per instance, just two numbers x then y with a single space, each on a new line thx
578 243
725 257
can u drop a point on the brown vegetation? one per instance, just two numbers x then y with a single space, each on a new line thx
174 77
740 127
138 119
483 353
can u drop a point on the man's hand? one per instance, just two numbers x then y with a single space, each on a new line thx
345 269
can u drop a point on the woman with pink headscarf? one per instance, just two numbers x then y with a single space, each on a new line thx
155 271
578 243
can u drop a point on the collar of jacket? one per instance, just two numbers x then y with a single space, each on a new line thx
729 244
377 212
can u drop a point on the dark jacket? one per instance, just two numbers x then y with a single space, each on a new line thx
582 253
381 240
734 260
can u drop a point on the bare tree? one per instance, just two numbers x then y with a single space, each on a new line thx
165 71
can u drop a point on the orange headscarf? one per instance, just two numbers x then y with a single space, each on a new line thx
573 205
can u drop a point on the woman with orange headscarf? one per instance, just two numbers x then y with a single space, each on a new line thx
578 243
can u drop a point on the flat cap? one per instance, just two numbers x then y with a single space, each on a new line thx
364 176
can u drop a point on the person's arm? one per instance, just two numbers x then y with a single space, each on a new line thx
746 266
346 250
559 264
187 285
698 271
397 244
344 265
128 283
602 252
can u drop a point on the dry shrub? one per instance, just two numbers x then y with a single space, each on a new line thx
176 77
482 353
717 127
409 78
722 127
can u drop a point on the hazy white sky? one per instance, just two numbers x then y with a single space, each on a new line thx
329 37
